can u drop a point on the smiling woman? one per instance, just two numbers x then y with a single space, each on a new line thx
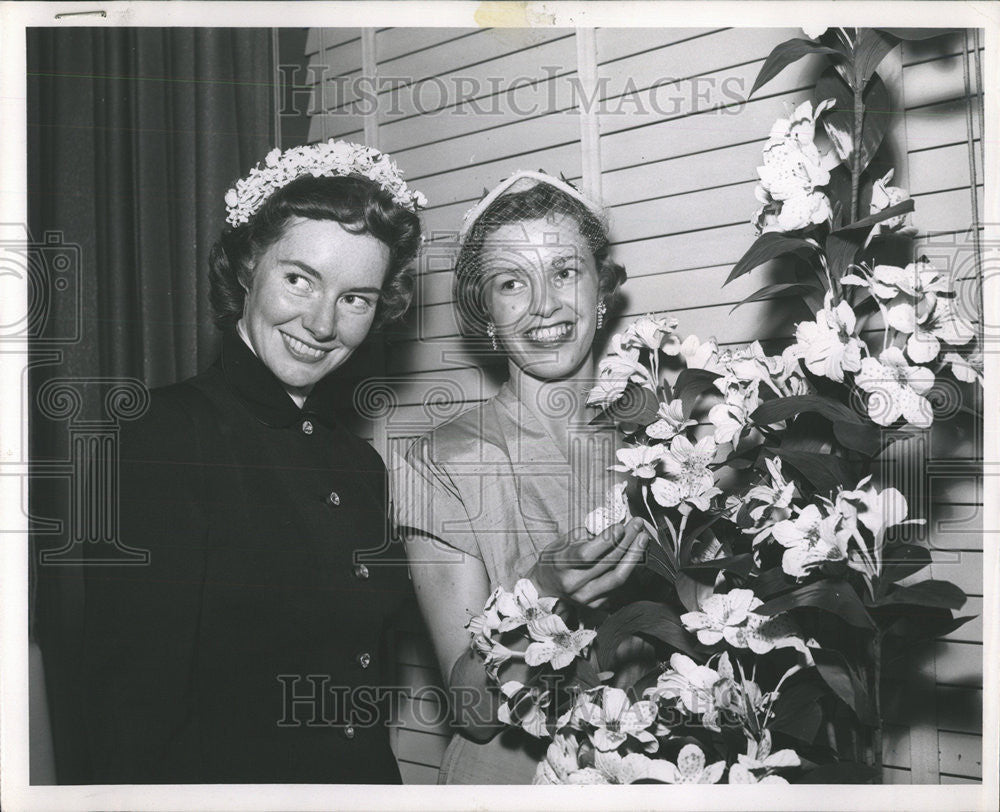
260 514
500 493
313 301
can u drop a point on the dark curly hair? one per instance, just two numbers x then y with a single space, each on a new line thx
360 205
540 202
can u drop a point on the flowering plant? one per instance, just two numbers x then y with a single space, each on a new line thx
780 585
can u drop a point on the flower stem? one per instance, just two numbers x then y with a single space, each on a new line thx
856 165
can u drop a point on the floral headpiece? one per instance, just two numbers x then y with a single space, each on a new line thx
521 181
328 159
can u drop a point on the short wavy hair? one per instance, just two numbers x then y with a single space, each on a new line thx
357 203
539 202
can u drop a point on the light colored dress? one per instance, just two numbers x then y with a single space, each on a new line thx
491 483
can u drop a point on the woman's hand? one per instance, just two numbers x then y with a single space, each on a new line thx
586 569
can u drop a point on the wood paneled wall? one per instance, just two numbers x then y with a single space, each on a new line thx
672 146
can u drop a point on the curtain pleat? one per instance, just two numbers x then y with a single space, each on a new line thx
134 135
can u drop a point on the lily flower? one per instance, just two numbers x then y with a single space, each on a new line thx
671 421
811 540
555 643
688 479
967 369
525 708
776 497
611 767
896 389
760 757
688 682
691 768
829 345
522 606
640 461
560 761
721 615
884 196
613 511
648 332
740 774
616 719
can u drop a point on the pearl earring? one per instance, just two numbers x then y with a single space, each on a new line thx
491 331
602 308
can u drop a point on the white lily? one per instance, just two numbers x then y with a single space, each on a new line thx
688 479
615 719
613 511
671 421
522 606
810 541
691 768
528 711
829 346
896 389
721 615
639 461
555 643
560 760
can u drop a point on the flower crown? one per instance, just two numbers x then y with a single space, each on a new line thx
328 159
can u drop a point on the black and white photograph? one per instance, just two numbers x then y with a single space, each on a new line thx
403 399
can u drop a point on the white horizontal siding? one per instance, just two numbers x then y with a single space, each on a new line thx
679 146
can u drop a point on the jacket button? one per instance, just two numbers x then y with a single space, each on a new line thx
307 427
333 498
364 659
349 732
361 572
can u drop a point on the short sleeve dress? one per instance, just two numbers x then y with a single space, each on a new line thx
491 483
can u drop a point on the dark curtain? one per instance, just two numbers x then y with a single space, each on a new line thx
134 137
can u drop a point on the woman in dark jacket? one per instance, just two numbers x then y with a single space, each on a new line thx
248 649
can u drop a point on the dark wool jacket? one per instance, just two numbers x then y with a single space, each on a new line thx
250 648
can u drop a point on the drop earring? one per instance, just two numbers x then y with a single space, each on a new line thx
491 331
602 308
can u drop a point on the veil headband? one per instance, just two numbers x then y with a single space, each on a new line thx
522 181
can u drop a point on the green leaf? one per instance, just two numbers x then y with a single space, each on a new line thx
773 582
797 711
940 594
842 679
784 55
786 289
861 226
642 617
839 120
913 624
740 565
637 405
826 472
841 252
692 384
658 560
778 409
692 593
900 561
768 246
585 674
869 50
841 772
863 437
836 597
915 34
